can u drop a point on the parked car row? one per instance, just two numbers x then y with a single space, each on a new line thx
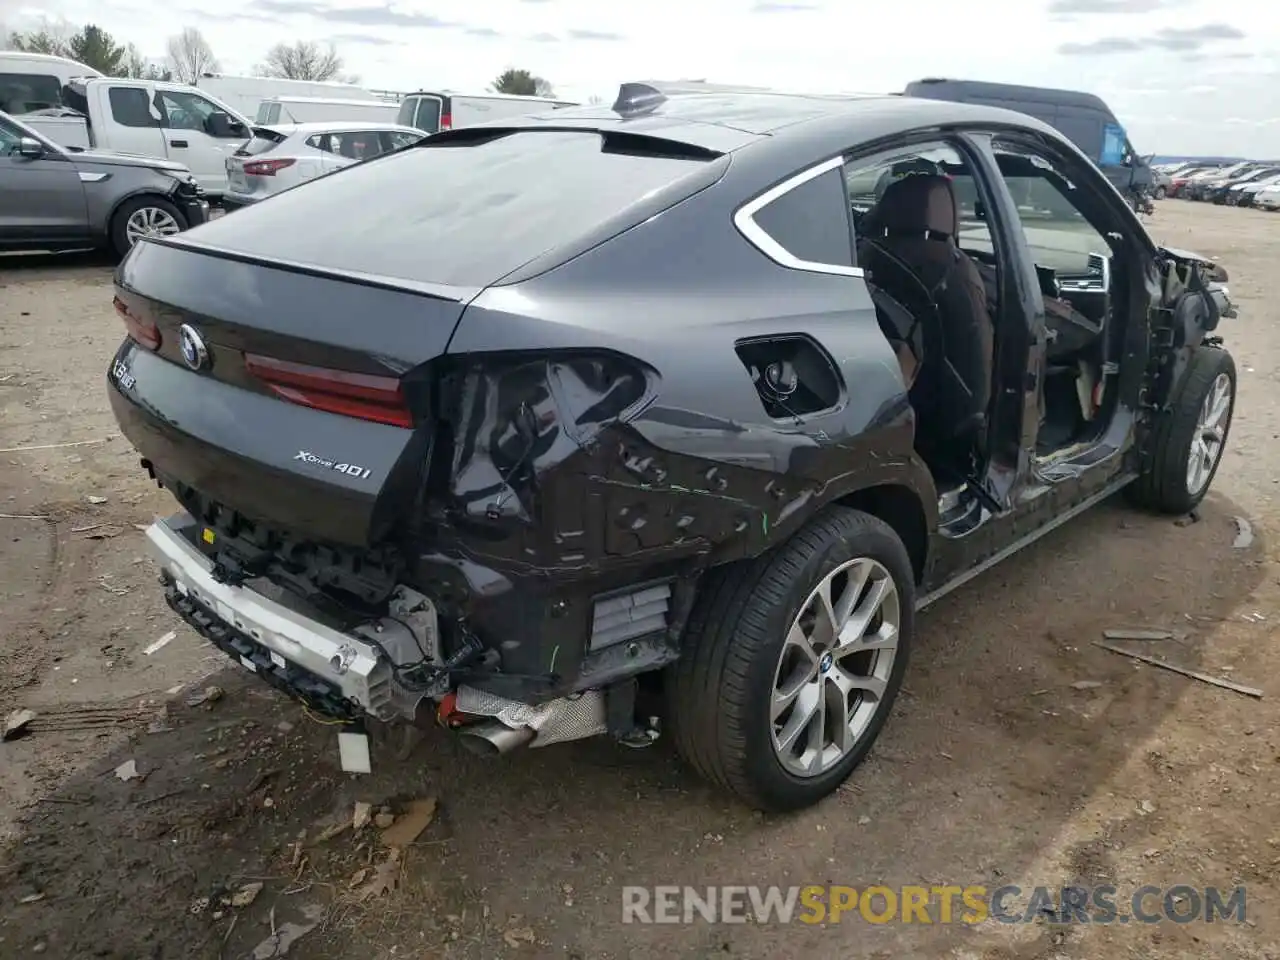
68 199
76 107
1247 183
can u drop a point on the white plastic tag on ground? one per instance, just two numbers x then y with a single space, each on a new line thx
353 752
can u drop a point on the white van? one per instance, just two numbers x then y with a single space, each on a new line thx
34 81
433 112
323 110
246 94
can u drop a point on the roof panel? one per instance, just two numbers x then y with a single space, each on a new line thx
728 121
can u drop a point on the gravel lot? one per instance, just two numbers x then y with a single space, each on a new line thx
999 766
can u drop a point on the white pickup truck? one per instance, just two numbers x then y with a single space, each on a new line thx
172 121
156 119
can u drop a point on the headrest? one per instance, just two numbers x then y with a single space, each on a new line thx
919 203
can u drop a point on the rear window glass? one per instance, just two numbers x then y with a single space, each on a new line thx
26 92
460 215
428 118
263 140
420 112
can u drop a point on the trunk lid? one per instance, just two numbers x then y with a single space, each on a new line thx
302 399
294 399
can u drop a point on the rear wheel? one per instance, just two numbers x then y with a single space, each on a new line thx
1161 192
144 217
1190 438
792 662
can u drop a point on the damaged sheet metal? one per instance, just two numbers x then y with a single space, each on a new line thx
573 476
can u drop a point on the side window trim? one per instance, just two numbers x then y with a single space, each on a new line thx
744 220
157 101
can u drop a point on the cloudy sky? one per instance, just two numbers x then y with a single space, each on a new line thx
1185 76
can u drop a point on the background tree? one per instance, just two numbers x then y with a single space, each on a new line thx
91 45
139 67
521 83
303 60
190 56
96 48
50 38
135 64
36 41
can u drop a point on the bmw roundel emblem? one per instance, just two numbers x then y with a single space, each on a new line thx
194 352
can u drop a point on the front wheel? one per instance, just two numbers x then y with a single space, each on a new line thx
1190 437
144 217
792 663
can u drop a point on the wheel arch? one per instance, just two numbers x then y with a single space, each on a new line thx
901 507
145 191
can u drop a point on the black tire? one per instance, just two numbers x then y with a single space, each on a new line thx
719 691
1163 485
120 219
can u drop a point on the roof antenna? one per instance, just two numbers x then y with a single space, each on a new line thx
636 98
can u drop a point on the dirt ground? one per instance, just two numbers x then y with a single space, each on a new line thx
998 767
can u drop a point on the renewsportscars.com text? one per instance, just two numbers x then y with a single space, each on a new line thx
1181 903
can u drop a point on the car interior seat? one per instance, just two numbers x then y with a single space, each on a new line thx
913 228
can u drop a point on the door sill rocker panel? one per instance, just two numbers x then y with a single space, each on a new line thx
1107 491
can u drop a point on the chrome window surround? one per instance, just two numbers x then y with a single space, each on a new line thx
744 220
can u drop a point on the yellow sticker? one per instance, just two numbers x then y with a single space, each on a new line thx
208 536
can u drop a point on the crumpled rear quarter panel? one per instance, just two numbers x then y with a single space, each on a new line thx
696 473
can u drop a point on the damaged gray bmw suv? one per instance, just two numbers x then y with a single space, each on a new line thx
678 409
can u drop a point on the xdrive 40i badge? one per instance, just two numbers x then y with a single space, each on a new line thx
350 469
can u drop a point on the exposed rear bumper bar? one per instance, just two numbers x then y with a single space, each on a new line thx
289 649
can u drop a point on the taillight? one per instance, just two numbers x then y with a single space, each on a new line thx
360 395
446 121
267 168
143 332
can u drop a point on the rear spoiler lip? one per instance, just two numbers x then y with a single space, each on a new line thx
605 128
436 291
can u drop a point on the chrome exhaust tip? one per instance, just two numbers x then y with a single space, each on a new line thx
494 739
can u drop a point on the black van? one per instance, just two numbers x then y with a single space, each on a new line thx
1083 118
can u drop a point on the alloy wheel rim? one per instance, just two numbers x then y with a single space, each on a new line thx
833 673
149 222
1210 434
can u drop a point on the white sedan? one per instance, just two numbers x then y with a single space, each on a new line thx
286 154
1268 198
